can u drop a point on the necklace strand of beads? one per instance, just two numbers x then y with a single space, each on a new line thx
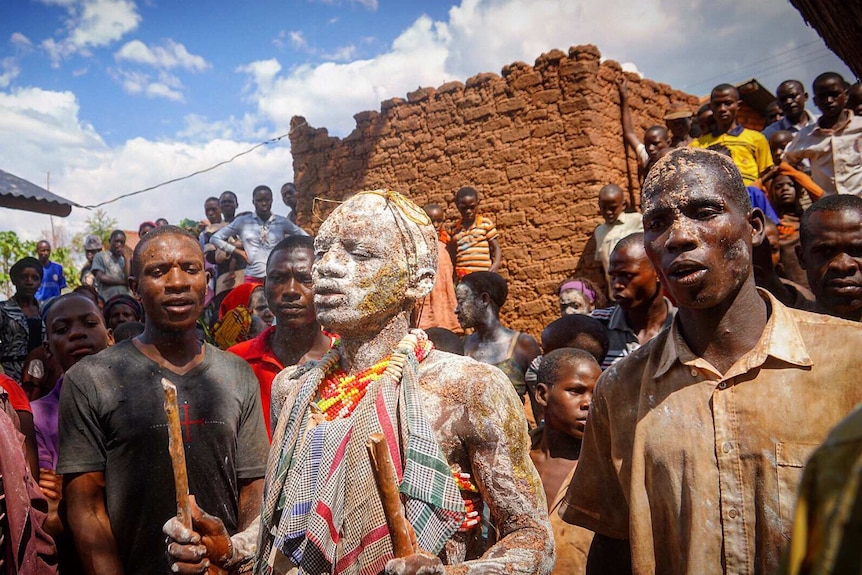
340 393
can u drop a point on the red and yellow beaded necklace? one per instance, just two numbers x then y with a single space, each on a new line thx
340 392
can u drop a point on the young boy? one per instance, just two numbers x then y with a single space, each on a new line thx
474 239
618 224
567 377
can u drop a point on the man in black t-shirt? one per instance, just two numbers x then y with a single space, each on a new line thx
119 487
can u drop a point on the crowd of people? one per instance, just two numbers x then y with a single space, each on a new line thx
667 421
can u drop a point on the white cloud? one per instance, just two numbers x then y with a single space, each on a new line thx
297 39
342 54
682 44
52 138
20 41
91 24
9 70
371 5
168 56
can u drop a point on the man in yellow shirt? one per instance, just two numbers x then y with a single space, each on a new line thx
748 148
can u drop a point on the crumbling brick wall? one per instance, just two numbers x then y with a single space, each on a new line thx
538 143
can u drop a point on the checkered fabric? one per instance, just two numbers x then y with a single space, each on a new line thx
321 509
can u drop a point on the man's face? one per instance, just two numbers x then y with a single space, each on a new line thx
791 100
706 122
173 282
288 196
75 329
262 201
854 99
830 97
90 254
120 313
118 242
360 277
697 239
784 191
212 211
572 301
43 252
724 105
288 287
567 402
27 283
467 207
227 205
611 205
471 308
773 113
654 141
259 307
832 258
633 279
777 143
679 127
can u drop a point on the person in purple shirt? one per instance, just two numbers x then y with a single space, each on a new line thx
75 328
53 278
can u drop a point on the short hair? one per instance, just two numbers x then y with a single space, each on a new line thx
228 193
427 207
577 330
825 77
292 243
490 283
554 362
466 192
683 160
21 265
833 203
445 340
634 239
128 330
721 149
260 188
796 83
51 306
657 128
43 242
725 88
702 109
210 199
115 234
157 233
88 291
612 188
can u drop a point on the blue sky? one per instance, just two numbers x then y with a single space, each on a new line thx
111 96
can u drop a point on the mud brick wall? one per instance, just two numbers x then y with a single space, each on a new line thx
538 142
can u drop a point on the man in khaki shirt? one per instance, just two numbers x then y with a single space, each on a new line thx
695 442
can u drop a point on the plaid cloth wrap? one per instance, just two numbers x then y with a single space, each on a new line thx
321 507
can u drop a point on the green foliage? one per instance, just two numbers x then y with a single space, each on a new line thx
12 249
100 224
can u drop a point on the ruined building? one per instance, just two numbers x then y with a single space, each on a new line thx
538 142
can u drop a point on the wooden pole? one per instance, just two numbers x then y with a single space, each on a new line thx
390 498
178 454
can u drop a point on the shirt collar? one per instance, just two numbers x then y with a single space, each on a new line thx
734 131
259 347
780 339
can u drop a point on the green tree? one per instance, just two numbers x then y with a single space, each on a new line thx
12 249
100 224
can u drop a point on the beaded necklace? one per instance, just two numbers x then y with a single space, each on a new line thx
340 392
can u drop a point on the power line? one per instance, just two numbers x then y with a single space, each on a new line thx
193 174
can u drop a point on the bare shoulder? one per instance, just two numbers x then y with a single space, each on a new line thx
463 380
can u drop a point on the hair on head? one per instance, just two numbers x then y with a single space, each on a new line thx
260 188
490 283
579 331
466 192
682 161
53 305
27 262
118 233
825 77
834 203
554 362
128 330
292 243
632 240
227 193
169 230
725 88
210 199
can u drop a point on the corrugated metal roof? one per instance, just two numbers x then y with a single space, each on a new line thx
19 194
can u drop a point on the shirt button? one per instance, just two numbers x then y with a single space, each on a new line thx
722 385
693 372
727 447
732 513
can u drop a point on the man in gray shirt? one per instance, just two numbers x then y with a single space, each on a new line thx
259 233
109 268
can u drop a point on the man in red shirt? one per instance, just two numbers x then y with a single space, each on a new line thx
296 336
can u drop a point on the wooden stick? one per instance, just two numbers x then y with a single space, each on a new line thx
178 454
390 498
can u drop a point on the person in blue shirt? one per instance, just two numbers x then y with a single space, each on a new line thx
53 279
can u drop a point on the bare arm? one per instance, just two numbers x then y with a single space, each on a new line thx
106 280
494 244
219 239
628 128
250 494
88 521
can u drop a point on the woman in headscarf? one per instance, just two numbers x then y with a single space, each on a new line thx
121 309
235 317
580 295
21 328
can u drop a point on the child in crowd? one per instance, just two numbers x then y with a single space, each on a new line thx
437 309
567 377
580 295
618 224
474 240
75 328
